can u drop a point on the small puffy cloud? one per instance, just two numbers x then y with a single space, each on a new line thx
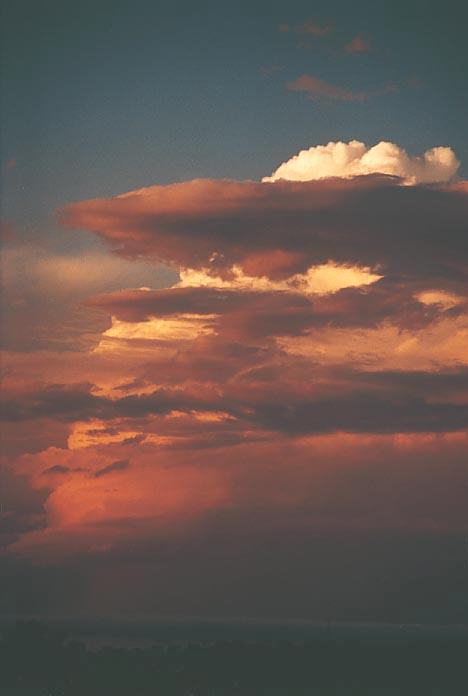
338 159
359 44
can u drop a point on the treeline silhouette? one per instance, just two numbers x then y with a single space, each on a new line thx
36 659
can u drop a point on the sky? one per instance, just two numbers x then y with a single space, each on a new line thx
234 312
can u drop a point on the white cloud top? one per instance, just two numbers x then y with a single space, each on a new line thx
340 159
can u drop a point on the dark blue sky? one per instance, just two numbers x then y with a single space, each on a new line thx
102 97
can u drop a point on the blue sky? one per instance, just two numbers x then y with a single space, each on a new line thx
99 98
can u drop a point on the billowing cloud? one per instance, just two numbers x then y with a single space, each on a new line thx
439 164
302 376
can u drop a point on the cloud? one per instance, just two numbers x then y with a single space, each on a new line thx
319 279
439 164
300 487
119 465
8 233
366 221
359 44
313 400
319 89
56 469
278 311
304 378
43 292
309 28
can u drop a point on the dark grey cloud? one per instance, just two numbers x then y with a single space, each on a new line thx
328 401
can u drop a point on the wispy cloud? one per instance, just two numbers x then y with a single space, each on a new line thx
319 89
309 27
359 44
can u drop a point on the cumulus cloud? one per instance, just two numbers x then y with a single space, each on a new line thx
305 373
439 164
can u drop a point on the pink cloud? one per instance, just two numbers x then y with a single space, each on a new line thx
319 89
359 44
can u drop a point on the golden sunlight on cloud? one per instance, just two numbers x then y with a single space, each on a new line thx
96 432
387 346
440 297
321 279
338 159
186 327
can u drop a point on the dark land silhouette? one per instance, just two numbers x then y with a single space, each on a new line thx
39 659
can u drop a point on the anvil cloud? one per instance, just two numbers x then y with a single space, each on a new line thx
307 374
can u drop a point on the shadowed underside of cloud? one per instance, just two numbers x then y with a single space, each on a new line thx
282 228
363 306
329 401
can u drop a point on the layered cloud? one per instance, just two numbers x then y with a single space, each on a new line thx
284 228
304 374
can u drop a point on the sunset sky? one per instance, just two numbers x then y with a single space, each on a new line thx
235 310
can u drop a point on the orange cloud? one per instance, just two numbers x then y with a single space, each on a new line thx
305 373
303 483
